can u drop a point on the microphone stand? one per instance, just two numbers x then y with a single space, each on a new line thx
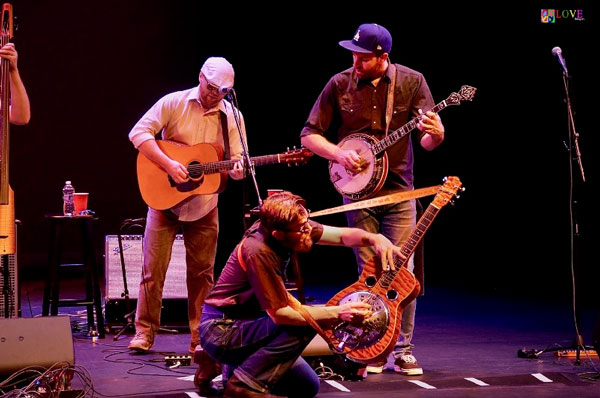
572 131
574 154
231 96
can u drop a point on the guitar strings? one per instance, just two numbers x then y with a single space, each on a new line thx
214 167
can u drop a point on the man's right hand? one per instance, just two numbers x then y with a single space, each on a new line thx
354 312
351 161
177 171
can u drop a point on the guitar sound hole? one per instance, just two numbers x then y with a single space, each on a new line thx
392 295
196 178
195 170
370 281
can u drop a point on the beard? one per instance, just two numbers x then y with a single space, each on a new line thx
366 75
372 72
304 244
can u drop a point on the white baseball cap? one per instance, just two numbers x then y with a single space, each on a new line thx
218 71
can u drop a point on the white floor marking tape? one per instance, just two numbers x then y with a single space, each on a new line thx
337 385
422 384
541 377
476 381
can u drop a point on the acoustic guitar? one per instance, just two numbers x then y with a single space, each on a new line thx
207 171
367 182
387 292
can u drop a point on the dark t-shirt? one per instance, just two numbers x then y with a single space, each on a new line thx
247 294
347 105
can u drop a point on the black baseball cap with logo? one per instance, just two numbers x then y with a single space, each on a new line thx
369 38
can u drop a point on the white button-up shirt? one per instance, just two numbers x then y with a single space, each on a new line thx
181 118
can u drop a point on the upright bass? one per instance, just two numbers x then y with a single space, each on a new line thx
7 210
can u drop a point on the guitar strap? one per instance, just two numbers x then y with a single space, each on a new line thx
294 303
395 197
225 133
389 106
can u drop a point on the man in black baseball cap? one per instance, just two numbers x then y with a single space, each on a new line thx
370 47
369 38
372 98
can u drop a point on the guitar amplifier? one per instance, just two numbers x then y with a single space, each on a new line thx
133 255
174 291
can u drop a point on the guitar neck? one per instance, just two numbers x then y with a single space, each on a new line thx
397 135
409 246
225 165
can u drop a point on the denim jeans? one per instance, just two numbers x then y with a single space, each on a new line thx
264 355
200 239
395 222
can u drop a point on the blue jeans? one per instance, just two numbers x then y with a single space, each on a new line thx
395 222
264 355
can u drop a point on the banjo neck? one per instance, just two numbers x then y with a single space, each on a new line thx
465 93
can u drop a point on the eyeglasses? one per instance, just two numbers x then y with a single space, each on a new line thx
303 230
213 87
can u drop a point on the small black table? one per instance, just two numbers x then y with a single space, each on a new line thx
62 227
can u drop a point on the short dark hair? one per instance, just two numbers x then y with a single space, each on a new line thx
281 209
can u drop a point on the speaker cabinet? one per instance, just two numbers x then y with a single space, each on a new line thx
133 255
175 289
35 341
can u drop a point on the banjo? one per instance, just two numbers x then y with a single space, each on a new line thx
367 182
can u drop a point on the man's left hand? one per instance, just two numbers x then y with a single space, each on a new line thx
386 251
431 124
9 52
237 173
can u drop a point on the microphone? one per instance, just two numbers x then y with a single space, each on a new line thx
558 52
229 93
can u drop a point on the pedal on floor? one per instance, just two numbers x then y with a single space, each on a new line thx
573 354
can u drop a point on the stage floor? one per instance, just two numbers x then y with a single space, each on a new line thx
467 344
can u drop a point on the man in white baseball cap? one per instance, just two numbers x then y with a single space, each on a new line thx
195 116
218 76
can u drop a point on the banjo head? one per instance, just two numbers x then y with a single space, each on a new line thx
368 181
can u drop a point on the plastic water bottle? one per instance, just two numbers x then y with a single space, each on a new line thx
68 201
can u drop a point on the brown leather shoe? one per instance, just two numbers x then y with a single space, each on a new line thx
235 388
208 369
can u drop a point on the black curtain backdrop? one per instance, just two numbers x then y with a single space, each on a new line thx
93 68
